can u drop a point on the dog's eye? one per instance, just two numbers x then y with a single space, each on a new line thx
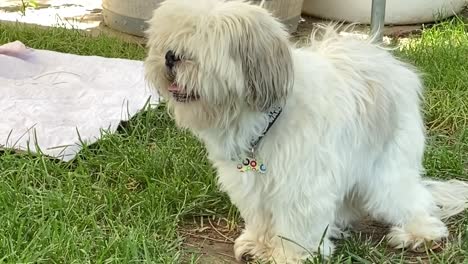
171 56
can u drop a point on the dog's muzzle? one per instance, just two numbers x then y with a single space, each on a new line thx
178 92
180 95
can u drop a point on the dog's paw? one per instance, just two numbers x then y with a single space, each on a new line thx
418 234
248 247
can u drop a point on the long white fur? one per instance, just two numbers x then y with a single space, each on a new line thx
350 140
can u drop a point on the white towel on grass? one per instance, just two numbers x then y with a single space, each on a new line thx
53 100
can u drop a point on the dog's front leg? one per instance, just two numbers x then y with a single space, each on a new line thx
255 238
245 193
302 216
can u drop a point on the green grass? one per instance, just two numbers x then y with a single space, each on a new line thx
122 199
442 55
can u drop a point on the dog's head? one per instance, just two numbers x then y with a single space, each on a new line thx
211 58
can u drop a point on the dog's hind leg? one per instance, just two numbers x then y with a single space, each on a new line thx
408 206
396 194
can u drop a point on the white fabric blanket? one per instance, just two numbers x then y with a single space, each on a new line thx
55 99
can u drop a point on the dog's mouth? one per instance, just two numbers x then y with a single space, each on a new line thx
180 95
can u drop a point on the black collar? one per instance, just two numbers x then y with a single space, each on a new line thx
273 115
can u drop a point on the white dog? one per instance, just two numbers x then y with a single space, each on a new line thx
305 141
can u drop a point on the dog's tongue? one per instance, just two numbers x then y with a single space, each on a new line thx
174 88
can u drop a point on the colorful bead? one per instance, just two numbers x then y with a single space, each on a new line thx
251 165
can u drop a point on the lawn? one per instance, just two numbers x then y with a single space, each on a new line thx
123 199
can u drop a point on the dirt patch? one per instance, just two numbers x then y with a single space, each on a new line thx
369 229
209 240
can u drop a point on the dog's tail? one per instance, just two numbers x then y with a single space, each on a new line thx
450 196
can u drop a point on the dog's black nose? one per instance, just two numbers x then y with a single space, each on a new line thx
171 59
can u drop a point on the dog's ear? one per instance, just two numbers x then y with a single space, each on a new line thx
265 55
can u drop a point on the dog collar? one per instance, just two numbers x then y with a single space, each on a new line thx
273 115
251 163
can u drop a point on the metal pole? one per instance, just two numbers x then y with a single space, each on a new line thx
377 19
